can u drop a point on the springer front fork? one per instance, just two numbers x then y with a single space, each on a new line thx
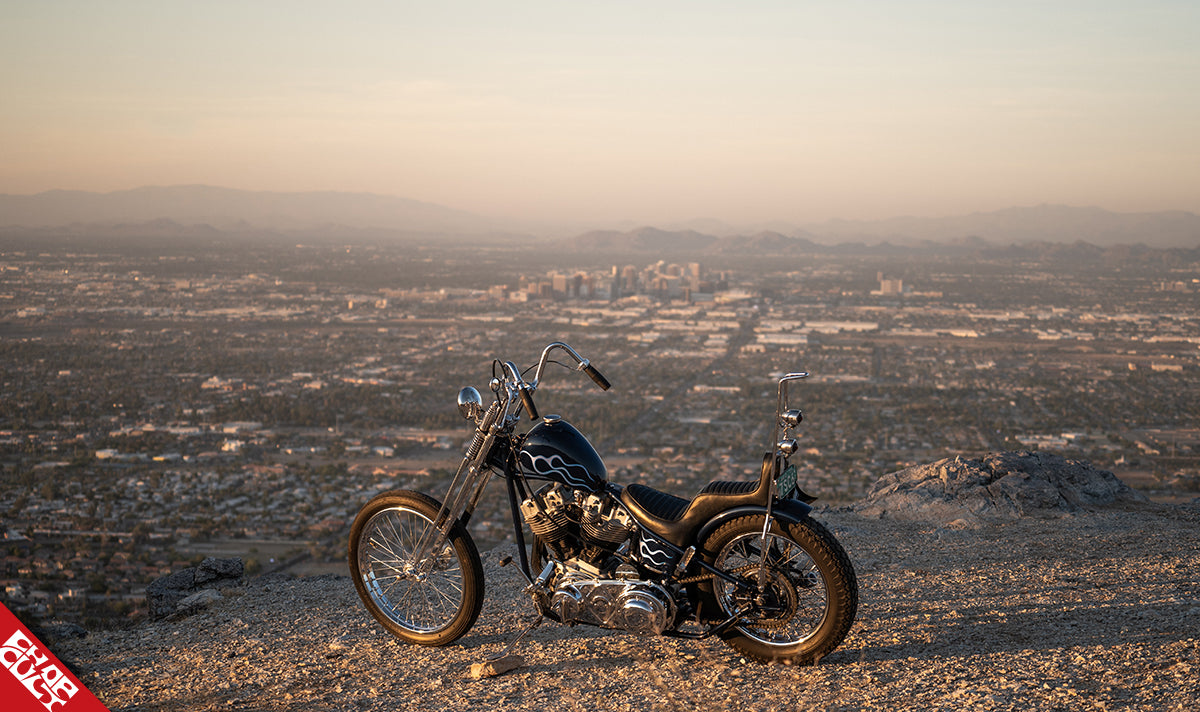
463 494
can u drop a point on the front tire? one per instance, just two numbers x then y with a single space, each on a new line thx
427 607
810 596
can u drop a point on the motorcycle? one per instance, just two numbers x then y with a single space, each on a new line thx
740 560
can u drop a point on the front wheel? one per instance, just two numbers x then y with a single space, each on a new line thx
796 610
430 602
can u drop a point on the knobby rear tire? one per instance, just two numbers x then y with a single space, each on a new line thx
433 608
811 587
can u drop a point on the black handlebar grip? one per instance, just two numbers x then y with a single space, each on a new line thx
527 401
597 377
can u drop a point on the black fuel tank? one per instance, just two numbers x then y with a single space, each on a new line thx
555 450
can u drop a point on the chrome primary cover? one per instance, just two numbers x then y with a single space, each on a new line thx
641 607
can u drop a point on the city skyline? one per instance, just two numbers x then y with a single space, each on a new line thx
238 400
546 112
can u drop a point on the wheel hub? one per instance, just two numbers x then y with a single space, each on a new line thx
776 604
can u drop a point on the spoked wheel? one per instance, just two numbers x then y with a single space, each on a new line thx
432 602
801 607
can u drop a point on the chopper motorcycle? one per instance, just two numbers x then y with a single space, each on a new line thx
741 560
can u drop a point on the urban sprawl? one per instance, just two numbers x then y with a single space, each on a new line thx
164 403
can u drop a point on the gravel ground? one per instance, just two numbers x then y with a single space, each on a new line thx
1092 611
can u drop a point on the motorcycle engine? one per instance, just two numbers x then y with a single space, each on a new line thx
642 607
577 524
585 531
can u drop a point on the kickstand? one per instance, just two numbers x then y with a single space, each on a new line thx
508 650
505 661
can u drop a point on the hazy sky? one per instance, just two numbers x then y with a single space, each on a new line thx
643 111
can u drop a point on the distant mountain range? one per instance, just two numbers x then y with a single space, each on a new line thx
225 208
1042 223
194 211
652 239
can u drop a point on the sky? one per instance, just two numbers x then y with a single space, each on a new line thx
646 112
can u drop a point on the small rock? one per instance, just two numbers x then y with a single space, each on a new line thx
63 631
499 666
199 600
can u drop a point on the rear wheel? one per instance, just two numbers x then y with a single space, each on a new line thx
431 602
800 607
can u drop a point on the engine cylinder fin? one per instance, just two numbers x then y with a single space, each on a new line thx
546 515
600 528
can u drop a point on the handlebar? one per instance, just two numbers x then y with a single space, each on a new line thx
525 388
597 377
527 401
545 359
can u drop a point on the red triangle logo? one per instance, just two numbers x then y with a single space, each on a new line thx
32 679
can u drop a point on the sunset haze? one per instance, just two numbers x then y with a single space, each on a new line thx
614 112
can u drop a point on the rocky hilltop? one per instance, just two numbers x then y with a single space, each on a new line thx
996 488
1015 581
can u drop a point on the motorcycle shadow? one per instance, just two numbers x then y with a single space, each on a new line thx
559 651
1018 628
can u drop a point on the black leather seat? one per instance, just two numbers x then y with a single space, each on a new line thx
676 519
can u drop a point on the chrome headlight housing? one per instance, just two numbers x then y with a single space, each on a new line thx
470 403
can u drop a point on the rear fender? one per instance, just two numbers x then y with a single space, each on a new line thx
789 510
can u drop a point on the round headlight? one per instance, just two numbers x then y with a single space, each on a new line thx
470 404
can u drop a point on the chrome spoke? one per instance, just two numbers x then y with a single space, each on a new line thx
422 601
804 605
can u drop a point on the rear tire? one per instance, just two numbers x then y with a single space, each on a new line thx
811 595
434 607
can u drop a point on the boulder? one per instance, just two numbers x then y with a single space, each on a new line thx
165 594
997 487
